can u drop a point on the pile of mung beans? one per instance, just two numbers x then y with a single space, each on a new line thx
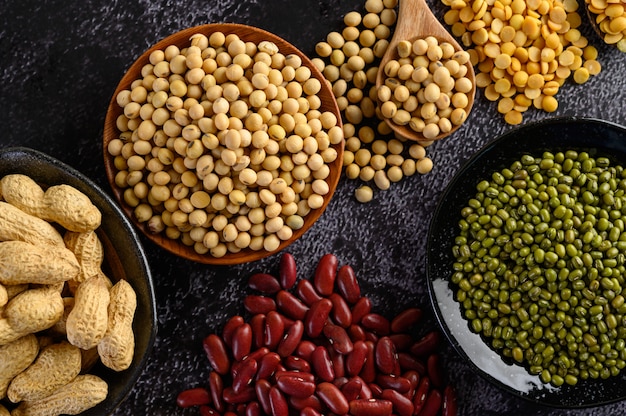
524 50
317 347
610 17
540 265
224 144
349 61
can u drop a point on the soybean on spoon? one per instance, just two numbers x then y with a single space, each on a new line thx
417 21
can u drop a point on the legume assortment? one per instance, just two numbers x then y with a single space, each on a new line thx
314 347
349 60
540 265
525 50
224 144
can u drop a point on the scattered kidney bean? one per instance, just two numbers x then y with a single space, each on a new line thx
316 348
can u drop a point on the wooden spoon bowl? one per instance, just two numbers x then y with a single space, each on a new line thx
594 19
417 21
182 40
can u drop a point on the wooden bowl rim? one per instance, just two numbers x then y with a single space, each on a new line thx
246 33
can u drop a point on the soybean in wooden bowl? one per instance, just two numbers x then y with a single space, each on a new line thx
124 258
186 238
592 139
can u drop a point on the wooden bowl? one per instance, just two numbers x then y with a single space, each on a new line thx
181 39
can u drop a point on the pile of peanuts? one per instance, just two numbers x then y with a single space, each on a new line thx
426 87
59 313
525 50
224 144
349 61
610 17
317 347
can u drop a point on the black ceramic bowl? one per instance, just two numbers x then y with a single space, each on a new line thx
124 259
597 137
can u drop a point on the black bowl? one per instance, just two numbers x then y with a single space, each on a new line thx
124 258
599 138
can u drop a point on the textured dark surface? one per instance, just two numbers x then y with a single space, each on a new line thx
59 64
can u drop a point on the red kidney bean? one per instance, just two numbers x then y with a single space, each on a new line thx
322 364
259 304
294 363
245 395
312 402
368 372
405 320
449 406
361 308
253 409
229 328
262 391
245 374
341 313
207 411
376 390
370 407
295 386
421 394
242 341
309 411
193 397
414 379
257 324
274 330
357 333
409 362
338 338
305 349
216 353
267 365
290 305
402 341
401 405
385 355
347 284
292 373
306 292
433 403
291 339
287 271
325 274
376 323
427 345
356 358
316 317
338 360
278 403
352 389
435 370
216 388
333 398
264 283
390 381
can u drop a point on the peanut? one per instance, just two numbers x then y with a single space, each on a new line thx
22 262
62 204
14 290
15 224
88 250
82 393
89 359
31 311
4 295
118 345
55 366
15 357
4 411
87 322
58 329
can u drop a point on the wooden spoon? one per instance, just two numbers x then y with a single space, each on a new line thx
417 21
